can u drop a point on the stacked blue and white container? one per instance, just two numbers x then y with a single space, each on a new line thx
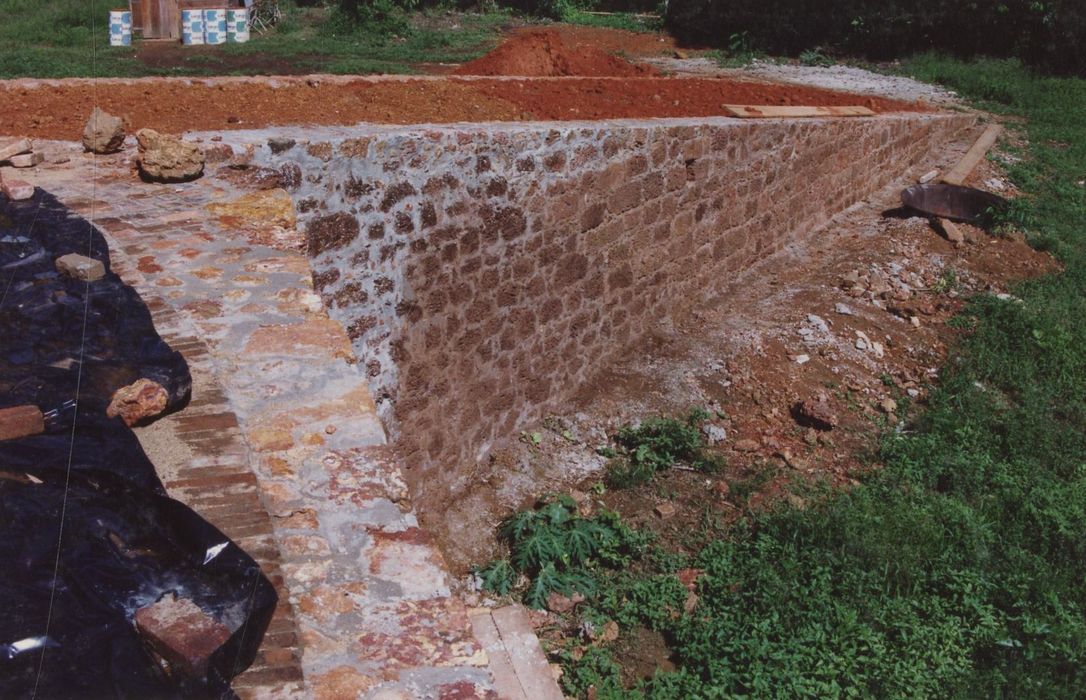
120 28
237 25
192 27
215 26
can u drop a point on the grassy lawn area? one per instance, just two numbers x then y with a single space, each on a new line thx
955 571
69 38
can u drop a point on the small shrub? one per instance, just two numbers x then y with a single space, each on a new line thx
658 444
815 57
558 550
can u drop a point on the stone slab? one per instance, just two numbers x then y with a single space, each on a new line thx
81 267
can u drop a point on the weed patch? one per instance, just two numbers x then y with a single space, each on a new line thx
658 444
557 550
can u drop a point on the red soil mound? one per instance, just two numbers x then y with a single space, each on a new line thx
544 53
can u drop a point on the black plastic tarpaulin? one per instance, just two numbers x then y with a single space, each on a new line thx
88 535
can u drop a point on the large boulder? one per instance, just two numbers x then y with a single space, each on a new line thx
104 133
165 158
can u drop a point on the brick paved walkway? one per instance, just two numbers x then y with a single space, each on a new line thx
289 456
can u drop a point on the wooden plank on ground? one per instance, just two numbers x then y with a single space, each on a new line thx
961 171
764 111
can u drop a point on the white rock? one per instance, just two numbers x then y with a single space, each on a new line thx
714 434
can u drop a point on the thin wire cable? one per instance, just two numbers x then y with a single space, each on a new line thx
7 288
79 374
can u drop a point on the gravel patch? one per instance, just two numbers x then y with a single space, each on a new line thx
841 78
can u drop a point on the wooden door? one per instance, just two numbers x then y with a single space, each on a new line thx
156 19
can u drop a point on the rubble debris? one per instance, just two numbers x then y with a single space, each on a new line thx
138 401
26 160
950 230
815 413
104 133
714 434
165 158
16 190
181 633
15 148
863 342
218 153
21 421
888 406
600 634
81 267
556 602
280 144
689 578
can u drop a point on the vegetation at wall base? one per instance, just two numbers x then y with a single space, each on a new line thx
954 571
658 444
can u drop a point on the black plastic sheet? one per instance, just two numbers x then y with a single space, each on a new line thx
125 544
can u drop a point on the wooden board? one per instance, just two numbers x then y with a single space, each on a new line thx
961 171
764 111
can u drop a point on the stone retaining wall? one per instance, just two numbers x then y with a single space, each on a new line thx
484 271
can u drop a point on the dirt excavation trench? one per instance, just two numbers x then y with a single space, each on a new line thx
488 275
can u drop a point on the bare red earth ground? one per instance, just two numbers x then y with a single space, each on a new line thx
59 110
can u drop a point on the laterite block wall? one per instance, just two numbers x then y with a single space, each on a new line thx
484 271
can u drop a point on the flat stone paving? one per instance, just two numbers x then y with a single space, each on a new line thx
287 423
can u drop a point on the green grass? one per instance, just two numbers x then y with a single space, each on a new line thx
59 38
628 21
69 38
957 570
